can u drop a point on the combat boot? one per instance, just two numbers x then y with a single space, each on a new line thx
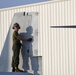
18 70
13 69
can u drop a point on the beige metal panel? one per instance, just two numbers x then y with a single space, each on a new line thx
40 26
2 38
45 39
0 32
65 38
49 40
29 5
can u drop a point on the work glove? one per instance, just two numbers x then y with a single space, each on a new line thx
30 39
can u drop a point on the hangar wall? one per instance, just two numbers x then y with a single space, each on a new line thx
56 45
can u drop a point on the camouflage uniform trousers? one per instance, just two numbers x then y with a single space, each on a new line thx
15 57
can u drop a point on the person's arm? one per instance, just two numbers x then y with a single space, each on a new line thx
21 38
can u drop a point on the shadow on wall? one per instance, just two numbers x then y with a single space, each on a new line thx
29 62
4 58
26 47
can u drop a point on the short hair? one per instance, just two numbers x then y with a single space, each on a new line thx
16 25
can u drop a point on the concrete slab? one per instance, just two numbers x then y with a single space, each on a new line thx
14 73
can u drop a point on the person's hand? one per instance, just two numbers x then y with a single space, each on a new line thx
30 39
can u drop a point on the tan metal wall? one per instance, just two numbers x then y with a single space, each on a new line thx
56 45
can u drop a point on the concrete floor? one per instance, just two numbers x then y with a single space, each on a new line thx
14 73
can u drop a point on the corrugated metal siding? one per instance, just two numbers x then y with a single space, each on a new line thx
56 45
63 59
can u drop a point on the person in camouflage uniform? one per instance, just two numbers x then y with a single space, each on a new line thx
16 47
